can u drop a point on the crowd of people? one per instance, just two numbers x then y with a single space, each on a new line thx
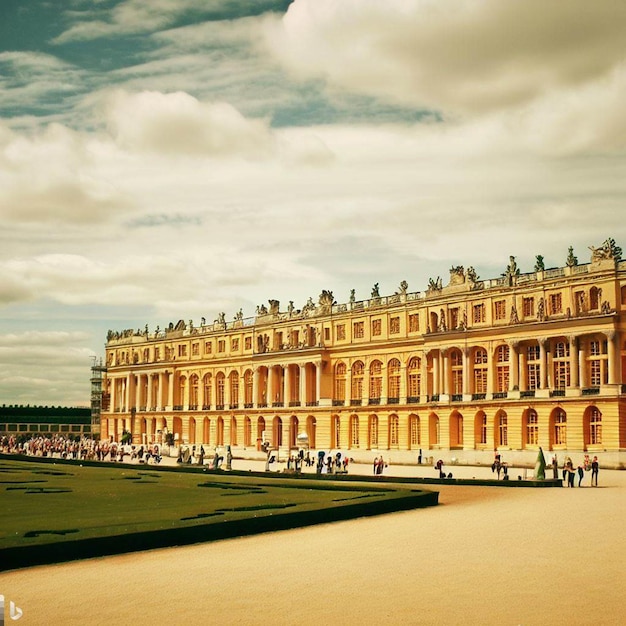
570 472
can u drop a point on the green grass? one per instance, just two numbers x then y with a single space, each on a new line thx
45 504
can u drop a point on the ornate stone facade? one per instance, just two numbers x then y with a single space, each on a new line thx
507 364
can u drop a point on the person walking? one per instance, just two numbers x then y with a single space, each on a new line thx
581 473
595 467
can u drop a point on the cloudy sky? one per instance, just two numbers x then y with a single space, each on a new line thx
165 160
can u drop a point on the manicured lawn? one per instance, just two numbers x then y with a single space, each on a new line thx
55 503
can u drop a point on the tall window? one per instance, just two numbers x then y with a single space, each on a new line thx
206 383
234 390
219 400
528 307
248 386
193 392
414 431
560 428
597 363
478 313
394 431
358 370
373 431
377 327
532 428
340 382
480 370
560 359
533 367
394 325
414 323
414 378
358 330
556 303
502 368
503 429
481 428
354 431
341 332
594 298
500 310
456 363
376 380
595 426
393 373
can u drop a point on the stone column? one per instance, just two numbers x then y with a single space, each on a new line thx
435 373
466 370
318 381
574 363
303 396
170 390
445 373
287 385
514 365
543 362
271 394
613 364
582 361
149 404
255 387
403 394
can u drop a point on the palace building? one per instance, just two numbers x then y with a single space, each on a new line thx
458 371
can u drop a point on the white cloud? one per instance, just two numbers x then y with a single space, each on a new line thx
457 57
178 123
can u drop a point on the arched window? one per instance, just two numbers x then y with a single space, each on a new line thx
193 392
358 373
503 429
456 430
233 431
373 431
182 386
593 426
502 368
247 432
597 363
414 379
248 387
394 431
393 381
456 365
376 382
220 385
219 435
260 430
354 431
480 428
206 391
480 371
559 428
335 432
234 390
340 383
531 428
594 299
561 364
433 429
415 438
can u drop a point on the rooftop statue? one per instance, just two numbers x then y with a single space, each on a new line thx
326 298
608 250
435 285
539 264
274 307
457 275
375 292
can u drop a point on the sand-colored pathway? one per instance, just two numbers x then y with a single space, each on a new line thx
484 556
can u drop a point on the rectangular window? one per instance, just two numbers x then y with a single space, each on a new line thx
157 354
394 325
454 319
358 330
221 345
248 343
208 347
500 310
182 350
326 334
341 332
528 307
556 304
533 375
479 313
414 323
376 328
234 344
195 349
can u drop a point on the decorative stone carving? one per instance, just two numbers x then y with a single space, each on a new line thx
512 272
375 292
514 317
403 288
457 275
326 298
434 285
471 276
274 307
608 250
541 313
